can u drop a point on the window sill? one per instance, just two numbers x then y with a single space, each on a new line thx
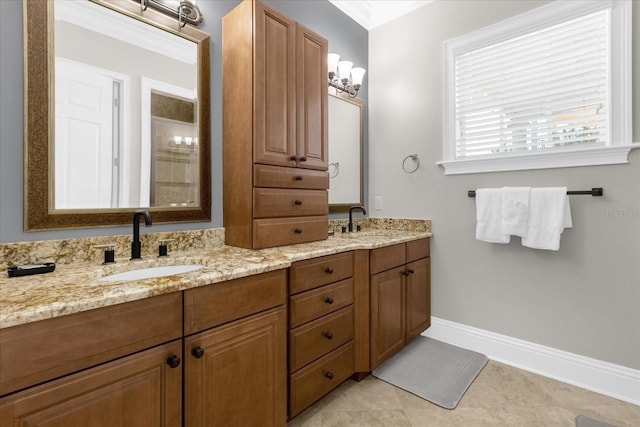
571 158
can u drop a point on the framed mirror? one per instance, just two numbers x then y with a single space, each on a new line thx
346 187
117 115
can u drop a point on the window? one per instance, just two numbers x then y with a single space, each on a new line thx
548 88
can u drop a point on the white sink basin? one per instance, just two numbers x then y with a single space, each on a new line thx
150 272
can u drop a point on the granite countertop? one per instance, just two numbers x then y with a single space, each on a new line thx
74 288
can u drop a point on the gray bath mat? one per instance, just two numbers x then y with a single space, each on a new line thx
582 421
433 370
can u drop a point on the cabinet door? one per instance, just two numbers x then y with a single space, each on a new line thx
274 87
138 390
418 305
387 314
312 99
235 374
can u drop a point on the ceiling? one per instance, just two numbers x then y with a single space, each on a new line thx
374 13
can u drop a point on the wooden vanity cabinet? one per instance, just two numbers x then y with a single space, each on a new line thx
235 353
274 129
400 301
321 328
113 366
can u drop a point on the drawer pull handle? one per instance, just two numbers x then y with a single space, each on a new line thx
328 300
303 159
173 361
329 375
328 270
298 178
328 335
197 352
297 202
298 231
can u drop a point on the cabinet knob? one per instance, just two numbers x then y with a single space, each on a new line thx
197 352
328 335
328 270
292 158
173 361
329 375
328 300
297 202
410 271
298 231
303 159
298 178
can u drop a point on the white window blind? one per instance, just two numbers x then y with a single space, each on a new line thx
543 90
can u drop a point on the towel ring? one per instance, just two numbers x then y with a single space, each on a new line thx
413 157
336 169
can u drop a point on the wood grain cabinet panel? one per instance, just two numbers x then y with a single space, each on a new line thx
315 272
314 339
280 177
40 351
318 378
137 390
315 303
278 202
274 118
400 297
235 374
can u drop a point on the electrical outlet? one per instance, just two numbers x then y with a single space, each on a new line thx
378 203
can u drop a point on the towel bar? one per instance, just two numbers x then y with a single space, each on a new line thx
593 192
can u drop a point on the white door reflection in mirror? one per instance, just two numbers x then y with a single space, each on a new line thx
345 146
105 162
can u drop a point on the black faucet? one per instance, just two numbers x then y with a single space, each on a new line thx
351 209
135 245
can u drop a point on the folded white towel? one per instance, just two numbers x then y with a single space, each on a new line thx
549 215
515 210
489 216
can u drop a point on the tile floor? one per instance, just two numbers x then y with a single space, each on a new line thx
500 396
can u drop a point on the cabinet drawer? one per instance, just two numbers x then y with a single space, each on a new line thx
387 257
140 389
417 249
219 303
283 177
39 351
316 303
272 232
317 338
309 274
277 202
320 377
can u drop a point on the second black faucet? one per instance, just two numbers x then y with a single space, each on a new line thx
351 209
135 244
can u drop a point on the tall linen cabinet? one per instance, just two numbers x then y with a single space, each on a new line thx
274 129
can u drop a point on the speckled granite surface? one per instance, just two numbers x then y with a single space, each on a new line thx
74 287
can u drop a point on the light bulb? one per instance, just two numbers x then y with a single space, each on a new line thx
357 74
344 69
332 62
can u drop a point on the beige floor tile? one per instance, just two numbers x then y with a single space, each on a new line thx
501 396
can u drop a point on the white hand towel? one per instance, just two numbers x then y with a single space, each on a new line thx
549 215
515 210
489 216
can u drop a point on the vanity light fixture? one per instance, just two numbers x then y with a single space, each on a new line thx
185 10
343 77
184 142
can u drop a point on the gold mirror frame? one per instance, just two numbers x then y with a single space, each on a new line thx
40 127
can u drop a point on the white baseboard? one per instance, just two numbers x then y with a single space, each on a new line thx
601 377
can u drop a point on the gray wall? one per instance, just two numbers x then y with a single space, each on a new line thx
583 299
345 37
